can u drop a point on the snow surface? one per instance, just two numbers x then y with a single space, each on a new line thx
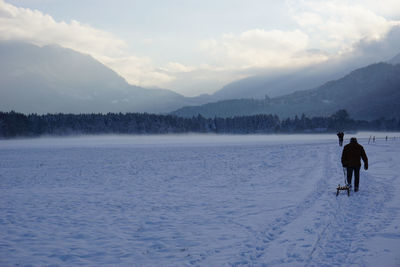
196 200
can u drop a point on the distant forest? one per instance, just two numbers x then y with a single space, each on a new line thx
13 124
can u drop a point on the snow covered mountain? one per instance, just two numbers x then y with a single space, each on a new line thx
282 83
53 79
366 93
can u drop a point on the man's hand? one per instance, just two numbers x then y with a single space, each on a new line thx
365 167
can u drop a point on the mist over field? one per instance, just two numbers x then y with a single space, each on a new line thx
182 139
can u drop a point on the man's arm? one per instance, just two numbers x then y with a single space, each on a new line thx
344 157
364 158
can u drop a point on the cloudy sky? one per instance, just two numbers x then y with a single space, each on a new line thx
195 47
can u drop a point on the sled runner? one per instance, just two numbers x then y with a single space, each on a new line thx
344 187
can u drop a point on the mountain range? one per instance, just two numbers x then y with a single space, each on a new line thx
53 79
280 83
366 93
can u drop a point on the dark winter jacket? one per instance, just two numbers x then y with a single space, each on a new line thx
352 155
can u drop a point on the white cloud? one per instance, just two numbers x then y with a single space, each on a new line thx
337 25
35 27
261 49
41 29
326 29
137 70
178 67
386 8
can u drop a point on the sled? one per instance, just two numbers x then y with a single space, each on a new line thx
344 187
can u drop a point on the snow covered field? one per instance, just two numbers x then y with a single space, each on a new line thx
196 200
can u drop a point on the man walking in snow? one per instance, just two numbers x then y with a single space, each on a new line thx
351 160
340 136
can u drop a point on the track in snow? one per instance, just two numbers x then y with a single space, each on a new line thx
238 203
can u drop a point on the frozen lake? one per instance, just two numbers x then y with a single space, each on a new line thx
207 200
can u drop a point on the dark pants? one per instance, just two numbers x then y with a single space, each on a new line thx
356 176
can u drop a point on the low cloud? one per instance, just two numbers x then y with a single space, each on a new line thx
137 70
379 50
178 67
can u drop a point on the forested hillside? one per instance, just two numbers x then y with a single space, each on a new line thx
367 93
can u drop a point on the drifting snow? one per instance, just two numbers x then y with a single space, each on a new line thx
196 200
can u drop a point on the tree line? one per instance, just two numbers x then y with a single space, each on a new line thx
13 124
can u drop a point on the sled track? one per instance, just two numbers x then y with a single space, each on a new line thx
262 239
340 224
354 220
